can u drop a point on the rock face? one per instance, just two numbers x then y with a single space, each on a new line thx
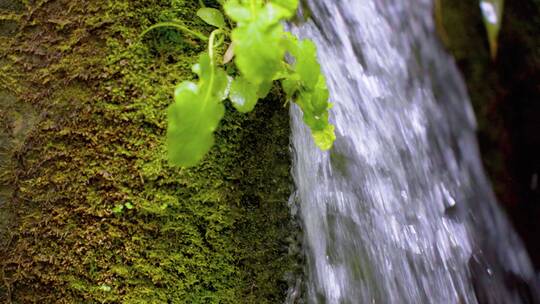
90 211
16 120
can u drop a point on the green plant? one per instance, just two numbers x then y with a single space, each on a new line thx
258 43
492 12
119 208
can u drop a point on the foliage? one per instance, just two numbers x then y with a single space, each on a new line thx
259 44
196 114
492 11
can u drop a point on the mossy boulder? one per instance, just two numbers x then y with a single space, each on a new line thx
96 214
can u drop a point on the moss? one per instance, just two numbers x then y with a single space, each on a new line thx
11 5
211 234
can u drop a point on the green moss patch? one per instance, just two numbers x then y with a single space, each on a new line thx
96 214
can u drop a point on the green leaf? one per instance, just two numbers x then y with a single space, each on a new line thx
492 11
259 50
306 64
212 16
320 102
307 86
238 11
258 45
128 205
195 114
325 138
258 39
291 85
315 120
264 89
118 209
212 80
273 13
289 6
243 95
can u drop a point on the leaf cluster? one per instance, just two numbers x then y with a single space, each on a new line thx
259 45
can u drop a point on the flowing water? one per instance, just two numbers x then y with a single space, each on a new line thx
400 210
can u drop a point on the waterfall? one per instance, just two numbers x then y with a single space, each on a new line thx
400 210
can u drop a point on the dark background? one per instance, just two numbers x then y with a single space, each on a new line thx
505 92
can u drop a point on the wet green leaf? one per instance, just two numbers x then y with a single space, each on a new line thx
307 65
307 86
325 138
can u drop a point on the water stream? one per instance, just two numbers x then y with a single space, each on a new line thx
400 210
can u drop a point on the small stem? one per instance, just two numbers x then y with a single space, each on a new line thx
220 41
211 45
175 25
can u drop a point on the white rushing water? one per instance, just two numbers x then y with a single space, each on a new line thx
400 210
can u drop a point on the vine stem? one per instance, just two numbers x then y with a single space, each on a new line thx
178 26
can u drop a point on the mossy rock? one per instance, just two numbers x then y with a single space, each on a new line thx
96 213
12 5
